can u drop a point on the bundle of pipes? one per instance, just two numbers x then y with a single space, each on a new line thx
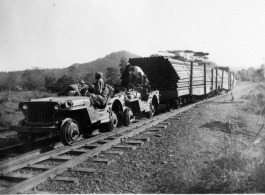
183 70
158 70
166 74
225 81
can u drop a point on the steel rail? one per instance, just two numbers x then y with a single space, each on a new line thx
28 152
51 173
29 183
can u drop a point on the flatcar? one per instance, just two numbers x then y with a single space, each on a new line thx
179 82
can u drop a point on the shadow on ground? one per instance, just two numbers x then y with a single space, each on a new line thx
235 128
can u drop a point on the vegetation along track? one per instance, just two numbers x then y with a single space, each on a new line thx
71 156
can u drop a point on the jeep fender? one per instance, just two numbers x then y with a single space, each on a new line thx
65 120
118 107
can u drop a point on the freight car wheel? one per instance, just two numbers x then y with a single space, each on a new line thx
25 137
69 132
172 104
127 117
151 112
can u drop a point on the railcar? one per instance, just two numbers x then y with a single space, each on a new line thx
178 81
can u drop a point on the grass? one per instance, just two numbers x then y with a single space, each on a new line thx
240 167
8 108
225 162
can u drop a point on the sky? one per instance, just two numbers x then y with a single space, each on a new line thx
59 33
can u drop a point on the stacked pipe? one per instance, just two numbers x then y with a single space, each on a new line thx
183 70
225 80
166 74
158 70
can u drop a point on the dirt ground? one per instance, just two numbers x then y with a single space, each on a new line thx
213 149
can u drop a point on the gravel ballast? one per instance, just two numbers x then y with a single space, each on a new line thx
173 161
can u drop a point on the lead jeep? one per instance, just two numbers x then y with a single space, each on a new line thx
69 116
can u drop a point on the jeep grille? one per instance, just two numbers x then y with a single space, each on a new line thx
40 112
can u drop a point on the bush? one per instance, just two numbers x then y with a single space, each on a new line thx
9 116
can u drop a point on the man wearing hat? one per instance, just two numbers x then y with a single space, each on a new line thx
100 91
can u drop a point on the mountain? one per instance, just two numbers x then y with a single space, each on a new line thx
110 61
101 64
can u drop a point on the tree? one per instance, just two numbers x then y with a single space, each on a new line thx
74 73
123 64
112 76
238 77
63 82
11 81
260 72
50 83
33 79
89 78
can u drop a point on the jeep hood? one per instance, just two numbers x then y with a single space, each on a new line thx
77 100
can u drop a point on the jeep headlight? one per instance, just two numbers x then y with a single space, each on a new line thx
68 103
56 107
24 107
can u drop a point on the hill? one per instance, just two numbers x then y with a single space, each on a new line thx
110 61
16 78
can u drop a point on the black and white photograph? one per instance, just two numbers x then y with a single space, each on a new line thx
132 96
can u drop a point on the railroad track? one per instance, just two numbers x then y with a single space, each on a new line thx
71 156
39 146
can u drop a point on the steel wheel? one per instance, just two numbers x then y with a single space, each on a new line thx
151 112
127 117
172 104
25 137
112 124
69 132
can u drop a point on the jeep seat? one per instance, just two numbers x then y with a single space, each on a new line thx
103 106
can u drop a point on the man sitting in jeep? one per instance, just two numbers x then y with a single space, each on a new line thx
82 87
100 92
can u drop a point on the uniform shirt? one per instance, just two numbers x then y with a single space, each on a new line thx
100 88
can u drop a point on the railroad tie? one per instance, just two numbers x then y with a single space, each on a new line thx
40 192
134 142
165 123
146 139
16 176
84 170
148 133
63 158
125 147
103 141
154 129
92 146
160 126
66 179
78 151
40 167
114 152
110 138
103 160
